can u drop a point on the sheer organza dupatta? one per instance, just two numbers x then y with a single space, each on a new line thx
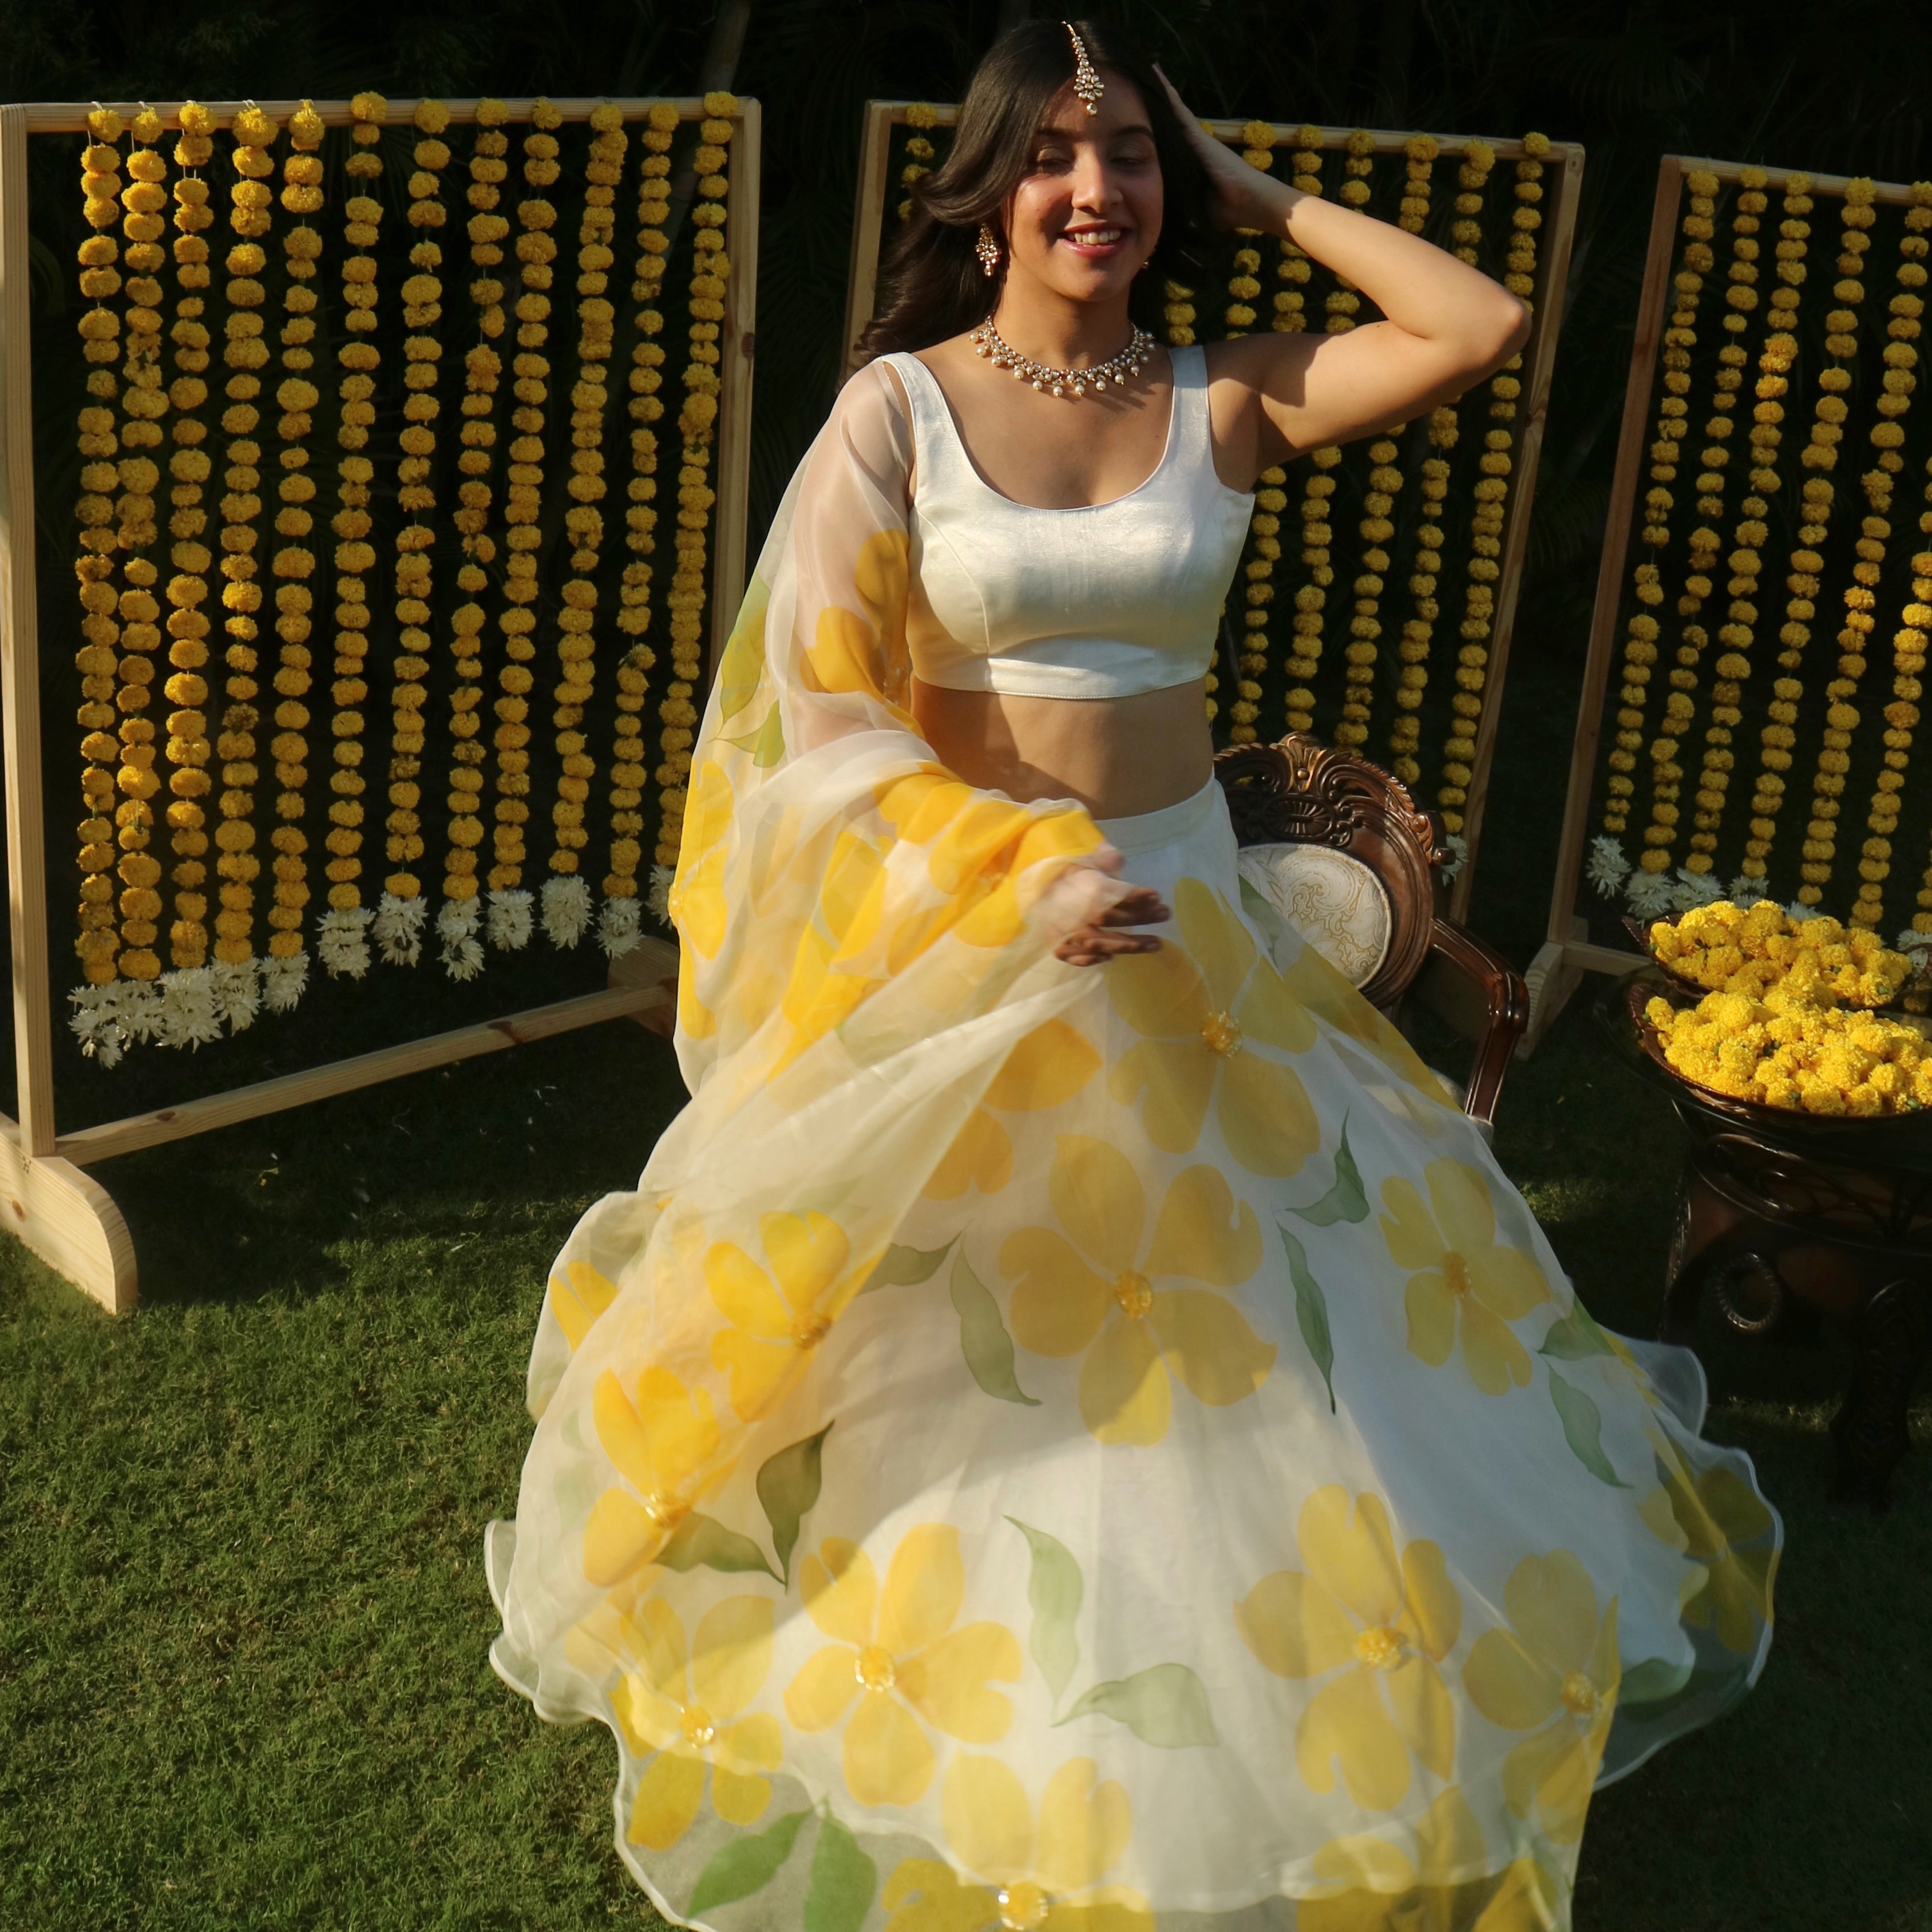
863 939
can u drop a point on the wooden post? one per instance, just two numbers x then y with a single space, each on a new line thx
739 345
868 216
67 1219
1534 414
1555 973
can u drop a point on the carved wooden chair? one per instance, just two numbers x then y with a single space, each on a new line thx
1337 846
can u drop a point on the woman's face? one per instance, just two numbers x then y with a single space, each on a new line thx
1086 214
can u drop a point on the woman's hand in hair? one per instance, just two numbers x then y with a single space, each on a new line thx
1244 197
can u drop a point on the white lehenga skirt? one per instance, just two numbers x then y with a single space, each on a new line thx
1216 1499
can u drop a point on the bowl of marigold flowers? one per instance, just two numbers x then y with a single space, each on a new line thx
1767 1016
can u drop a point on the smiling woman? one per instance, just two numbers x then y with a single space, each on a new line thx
1216 1495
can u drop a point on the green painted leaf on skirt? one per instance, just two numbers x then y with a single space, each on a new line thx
1257 906
1311 1311
703 1542
1654 1679
743 663
905 1267
1346 1200
1166 1705
1574 1336
843 1881
765 745
788 1485
1583 1430
1054 1591
746 1865
989 1348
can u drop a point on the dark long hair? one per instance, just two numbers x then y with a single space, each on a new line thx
932 285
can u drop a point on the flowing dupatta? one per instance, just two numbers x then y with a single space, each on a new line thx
863 939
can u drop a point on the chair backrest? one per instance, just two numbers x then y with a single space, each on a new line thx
1339 848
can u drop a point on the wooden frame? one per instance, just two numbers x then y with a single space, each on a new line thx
58 1210
1563 183
1568 953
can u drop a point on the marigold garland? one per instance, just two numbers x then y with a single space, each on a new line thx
1376 530
342 939
143 402
1309 600
1418 631
567 894
628 771
509 927
404 910
1343 303
1901 715
294 563
1855 214
918 152
1292 265
1264 551
1609 868
1737 633
524 491
696 423
244 354
1492 492
189 748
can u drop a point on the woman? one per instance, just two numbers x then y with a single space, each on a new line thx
1074 1429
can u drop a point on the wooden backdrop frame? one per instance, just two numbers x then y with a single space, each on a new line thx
1563 183
53 1205
1568 953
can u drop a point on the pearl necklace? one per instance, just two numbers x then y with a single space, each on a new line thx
986 341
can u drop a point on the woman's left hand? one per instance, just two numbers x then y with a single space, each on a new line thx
1244 197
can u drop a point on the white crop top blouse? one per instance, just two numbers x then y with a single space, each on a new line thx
1102 601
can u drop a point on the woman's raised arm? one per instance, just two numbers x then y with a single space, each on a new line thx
1448 325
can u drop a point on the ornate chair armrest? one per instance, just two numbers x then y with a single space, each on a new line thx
1474 989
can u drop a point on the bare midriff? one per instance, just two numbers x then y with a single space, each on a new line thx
1119 756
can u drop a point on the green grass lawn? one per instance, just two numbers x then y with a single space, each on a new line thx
243 1620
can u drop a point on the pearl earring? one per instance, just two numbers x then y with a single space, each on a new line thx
988 250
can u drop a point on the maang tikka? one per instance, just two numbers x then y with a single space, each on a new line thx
1087 82
988 250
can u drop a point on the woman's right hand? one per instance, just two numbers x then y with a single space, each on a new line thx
1101 938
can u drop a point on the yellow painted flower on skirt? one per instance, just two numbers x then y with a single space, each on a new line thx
778 1316
1035 1874
1376 1626
1199 1005
659 1443
578 1294
1090 1290
1317 986
1708 1519
685 1705
1044 1070
1553 1673
1466 1286
1369 1885
896 1653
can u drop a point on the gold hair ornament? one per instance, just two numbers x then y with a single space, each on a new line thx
1087 82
